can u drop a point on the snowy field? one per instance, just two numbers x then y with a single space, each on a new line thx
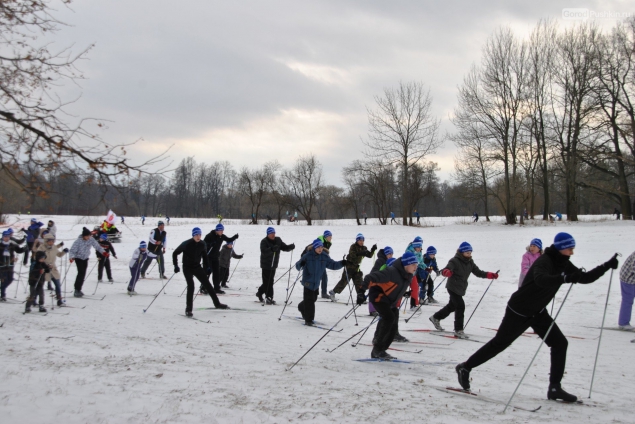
108 362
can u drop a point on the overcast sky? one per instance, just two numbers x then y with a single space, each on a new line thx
251 81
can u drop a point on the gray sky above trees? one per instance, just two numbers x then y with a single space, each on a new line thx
251 81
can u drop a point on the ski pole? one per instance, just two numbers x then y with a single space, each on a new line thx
344 342
230 277
367 328
350 290
17 286
421 304
157 295
280 278
319 340
542 341
289 277
606 304
479 302
286 302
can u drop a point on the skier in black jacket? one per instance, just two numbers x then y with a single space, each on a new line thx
527 307
156 249
214 241
8 250
104 261
270 248
193 251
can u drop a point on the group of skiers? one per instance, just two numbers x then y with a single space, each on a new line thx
391 280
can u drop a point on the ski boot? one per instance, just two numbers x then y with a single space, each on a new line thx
3 299
42 308
463 374
436 323
189 314
143 275
309 323
78 293
221 306
381 354
400 339
260 298
110 280
60 302
219 291
270 301
332 295
556 393
460 334
432 300
27 308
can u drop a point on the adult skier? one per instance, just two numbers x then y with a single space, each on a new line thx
214 241
385 289
156 248
356 253
32 233
313 265
527 307
79 253
270 248
8 249
194 250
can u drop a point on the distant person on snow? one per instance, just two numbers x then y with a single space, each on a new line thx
417 216
617 214
392 218
475 217
36 282
8 250
426 286
104 261
527 307
143 220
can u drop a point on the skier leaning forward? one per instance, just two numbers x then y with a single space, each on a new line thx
193 251
527 307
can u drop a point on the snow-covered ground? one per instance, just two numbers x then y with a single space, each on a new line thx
111 363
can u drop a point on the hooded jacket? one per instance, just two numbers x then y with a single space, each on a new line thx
33 232
313 266
461 268
388 285
418 254
52 253
544 279
526 263
381 260
226 256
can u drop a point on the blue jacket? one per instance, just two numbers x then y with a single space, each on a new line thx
313 266
33 232
429 263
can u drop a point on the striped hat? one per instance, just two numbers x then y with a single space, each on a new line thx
409 258
271 230
465 247
431 250
196 232
220 227
388 250
417 245
359 237
327 233
536 242
563 241
6 233
390 261
317 243
143 245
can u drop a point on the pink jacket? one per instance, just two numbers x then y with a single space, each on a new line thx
526 263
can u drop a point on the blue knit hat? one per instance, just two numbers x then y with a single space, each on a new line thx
317 243
418 240
388 250
33 220
143 245
327 233
465 247
390 261
536 242
271 230
409 258
220 227
103 236
563 241
431 250
6 233
10 230
196 232
359 237
417 245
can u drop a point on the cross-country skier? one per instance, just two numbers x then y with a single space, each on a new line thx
104 261
392 218
427 283
534 250
527 307
194 250
270 248
326 246
627 283
214 241
383 256
79 253
356 253
385 290
53 252
457 272
138 258
313 265
32 233
36 282
143 220
156 248
225 258
417 216
8 249
416 247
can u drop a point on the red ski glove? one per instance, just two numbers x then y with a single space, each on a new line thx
492 275
446 273
105 254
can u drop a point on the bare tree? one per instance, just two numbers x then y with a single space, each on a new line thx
302 185
402 130
254 184
378 182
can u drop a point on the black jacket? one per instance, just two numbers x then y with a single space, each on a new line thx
389 285
193 252
268 258
461 268
226 256
35 275
381 260
11 248
155 236
543 280
214 242
107 246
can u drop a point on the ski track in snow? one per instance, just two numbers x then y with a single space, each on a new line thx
126 366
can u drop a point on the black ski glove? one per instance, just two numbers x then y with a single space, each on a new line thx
372 250
292 246
235 237
407 294
361 298
208 270
275 249
612 263
573 278
65 250
177 269
239 256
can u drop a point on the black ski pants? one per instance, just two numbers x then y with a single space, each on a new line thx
512 327
104 263
456 305
6 277
82 265
267 283
387 327
224 275
214 271
201 276
307 306
36 290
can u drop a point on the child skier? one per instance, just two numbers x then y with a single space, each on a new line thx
226 255
416 247
139 256
627 283
36 281
8 250
457 272
383 257
356 253
426 286
104 261
534 250
313 265
53 252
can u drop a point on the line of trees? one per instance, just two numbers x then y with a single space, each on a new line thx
540 121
